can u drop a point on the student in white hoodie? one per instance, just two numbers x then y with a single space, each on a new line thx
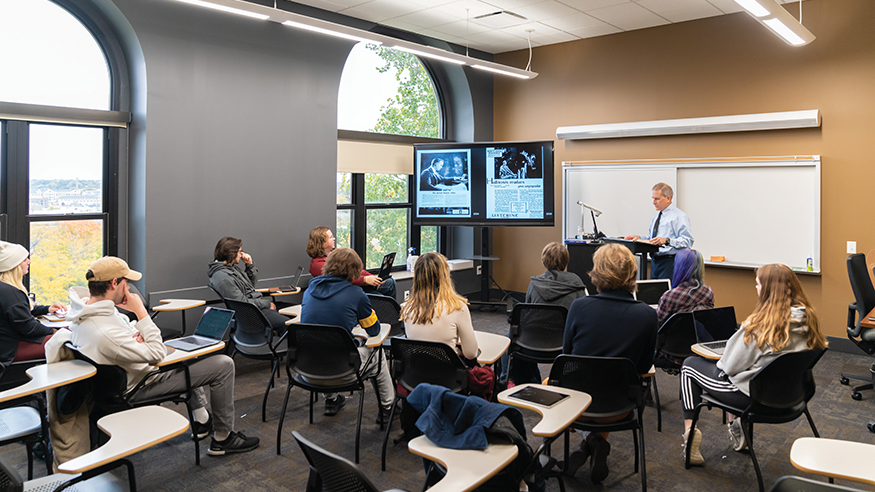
108 337
782 322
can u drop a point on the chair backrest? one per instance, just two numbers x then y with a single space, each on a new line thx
321 352
677 335
538 326
613 382
336 474
109 383
786 381
797 484
253 329
418 361
220 295
388 312
864 292
10 480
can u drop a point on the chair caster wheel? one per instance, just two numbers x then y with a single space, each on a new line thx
845 381
857 395
871 425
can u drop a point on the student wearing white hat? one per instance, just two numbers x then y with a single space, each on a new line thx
18 324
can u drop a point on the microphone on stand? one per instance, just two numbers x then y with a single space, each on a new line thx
597 211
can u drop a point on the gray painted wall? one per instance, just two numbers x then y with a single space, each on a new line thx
234 133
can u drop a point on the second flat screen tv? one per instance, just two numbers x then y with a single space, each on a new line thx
484 184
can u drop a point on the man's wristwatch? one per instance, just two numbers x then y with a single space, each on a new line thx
668 242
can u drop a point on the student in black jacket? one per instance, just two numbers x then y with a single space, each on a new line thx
17 312
609 324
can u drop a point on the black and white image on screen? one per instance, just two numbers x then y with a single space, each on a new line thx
515 184
443 185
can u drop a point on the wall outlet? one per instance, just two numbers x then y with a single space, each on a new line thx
479 269
406 295
852 247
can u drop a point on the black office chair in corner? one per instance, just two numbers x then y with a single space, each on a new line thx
797 484
536 333
864 338
331 473
779 393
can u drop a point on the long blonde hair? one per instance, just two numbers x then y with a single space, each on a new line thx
769 324
432 293
15 278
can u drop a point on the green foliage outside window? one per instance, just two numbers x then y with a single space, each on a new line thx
414 109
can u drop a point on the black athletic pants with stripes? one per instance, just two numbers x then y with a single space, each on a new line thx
699 374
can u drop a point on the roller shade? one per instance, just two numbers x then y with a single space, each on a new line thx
370 157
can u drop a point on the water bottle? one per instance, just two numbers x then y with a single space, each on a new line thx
411 258
809 263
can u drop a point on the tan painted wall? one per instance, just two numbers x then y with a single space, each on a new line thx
711 67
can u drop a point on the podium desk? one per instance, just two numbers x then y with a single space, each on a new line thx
639 248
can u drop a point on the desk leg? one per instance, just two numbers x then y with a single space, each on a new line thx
184 332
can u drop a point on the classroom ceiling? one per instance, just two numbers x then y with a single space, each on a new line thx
496 26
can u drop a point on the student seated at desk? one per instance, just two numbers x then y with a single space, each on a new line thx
332 299
108 337
609 324
322 242
689 291
782 322
22 336
230 283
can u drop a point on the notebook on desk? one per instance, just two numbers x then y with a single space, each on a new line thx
211 329
714 327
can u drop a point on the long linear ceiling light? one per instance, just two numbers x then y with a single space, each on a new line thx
772 15
291 19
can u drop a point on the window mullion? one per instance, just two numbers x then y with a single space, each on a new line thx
359 216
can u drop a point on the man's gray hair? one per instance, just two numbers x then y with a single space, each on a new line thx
664 189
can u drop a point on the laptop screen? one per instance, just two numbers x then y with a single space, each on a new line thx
214 323
650 291
718 323
386 267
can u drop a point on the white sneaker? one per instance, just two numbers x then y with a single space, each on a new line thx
696 458
737 435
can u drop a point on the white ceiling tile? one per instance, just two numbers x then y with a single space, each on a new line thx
726 6
539 31
322 4
460 29
628 16
401 24
363 14
428 18
386 9
494 37
430 3
343 3
571 22
545 10
593 31
585 5
510 4
680 10
474 7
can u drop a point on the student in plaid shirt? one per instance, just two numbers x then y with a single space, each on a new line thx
689 292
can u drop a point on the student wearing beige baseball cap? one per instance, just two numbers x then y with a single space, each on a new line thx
21 335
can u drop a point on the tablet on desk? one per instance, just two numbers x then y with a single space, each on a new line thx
538 396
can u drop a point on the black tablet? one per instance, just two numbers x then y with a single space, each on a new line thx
539 396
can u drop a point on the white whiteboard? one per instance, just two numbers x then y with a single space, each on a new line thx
752 211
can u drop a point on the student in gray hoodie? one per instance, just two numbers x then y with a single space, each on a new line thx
782 322
554 286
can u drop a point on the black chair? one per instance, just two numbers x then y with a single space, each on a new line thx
615 387
389 312
108 391
96 480
797 484
23 423
864 338
536 333
418 361
779 393
254 339
331 473
324 359
676 336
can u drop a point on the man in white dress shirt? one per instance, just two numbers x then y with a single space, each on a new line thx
669 229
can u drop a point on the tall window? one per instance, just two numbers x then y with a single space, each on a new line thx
388 92
57 195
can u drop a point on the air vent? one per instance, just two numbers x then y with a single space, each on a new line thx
500 12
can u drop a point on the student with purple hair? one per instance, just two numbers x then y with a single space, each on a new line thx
689 292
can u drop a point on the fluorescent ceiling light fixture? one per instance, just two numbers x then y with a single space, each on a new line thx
502 72
753 7
776 18
428 55
225 8
715 124
329 32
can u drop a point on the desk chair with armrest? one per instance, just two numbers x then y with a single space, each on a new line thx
23 423
797 484
536 334
864 338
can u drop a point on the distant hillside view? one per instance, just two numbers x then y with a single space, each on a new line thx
65 196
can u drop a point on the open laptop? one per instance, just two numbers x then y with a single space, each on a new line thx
714 327
386 267
211 329
291 287
650 291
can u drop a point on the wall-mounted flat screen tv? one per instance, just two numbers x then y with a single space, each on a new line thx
484 184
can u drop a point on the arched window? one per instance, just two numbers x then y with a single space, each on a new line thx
383 91
59 200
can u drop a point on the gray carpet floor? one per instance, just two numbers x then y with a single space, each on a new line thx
170 466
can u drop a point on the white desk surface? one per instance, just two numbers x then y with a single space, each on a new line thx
650 373
173 355
293 311
48 376
129 432
556 418
834 458
376 340
54 324
467 469
276 294
491 346
177 304
702 351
